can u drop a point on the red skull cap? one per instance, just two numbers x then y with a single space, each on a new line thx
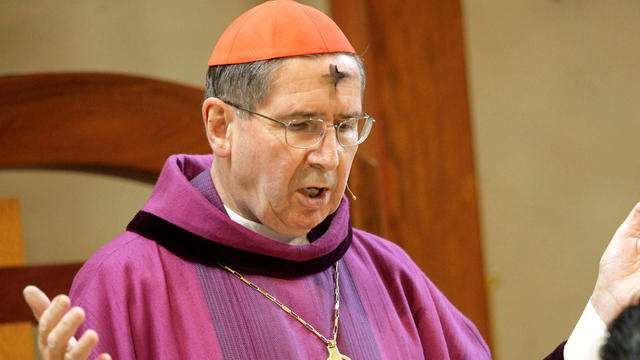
278 28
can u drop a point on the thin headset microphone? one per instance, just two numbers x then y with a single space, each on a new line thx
351 192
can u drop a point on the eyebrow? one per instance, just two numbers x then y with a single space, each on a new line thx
310 114
350 115
302 114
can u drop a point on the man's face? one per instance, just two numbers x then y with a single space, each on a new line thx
270 181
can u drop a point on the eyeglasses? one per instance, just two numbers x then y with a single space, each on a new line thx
307 133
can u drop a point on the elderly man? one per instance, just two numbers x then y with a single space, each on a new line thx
249 254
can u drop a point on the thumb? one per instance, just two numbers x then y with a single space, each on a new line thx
631 225
36 299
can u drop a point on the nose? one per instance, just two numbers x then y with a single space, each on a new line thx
325 155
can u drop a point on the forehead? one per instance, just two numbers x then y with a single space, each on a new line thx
305 74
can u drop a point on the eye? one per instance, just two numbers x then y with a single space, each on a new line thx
348 125
308 125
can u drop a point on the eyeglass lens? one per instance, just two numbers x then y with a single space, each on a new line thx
309 132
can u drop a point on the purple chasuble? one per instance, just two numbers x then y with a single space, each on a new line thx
558 353
155 291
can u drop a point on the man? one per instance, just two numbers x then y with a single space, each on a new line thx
249 254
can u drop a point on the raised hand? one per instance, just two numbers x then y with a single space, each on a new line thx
618 284
57 324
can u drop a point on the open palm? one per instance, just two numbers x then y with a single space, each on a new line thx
618 284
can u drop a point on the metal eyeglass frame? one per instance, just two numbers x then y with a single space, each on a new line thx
365 117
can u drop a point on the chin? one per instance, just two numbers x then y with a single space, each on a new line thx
307 222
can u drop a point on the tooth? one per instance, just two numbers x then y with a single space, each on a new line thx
312 192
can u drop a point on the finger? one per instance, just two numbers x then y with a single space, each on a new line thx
83 347
51 317
36 299
59 337
104 357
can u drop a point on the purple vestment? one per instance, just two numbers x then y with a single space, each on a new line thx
155 292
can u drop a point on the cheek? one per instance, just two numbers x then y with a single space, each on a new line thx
346 160
279 168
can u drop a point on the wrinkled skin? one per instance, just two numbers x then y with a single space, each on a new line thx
257 174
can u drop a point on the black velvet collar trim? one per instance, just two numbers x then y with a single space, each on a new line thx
195 248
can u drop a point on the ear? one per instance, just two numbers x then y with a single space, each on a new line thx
217 117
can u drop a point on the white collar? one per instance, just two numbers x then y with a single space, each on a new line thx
266 231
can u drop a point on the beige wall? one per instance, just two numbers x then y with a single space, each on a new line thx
160 38
553 85
554 89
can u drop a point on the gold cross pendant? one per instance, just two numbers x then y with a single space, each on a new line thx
334 354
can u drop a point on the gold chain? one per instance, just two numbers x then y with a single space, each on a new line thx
336 307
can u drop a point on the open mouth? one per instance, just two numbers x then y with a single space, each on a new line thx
313 192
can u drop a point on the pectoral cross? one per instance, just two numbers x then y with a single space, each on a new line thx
334 354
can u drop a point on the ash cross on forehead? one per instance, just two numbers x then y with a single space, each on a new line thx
336 75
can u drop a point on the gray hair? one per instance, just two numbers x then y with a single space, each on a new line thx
248 84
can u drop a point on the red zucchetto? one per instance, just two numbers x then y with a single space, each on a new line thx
278 28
